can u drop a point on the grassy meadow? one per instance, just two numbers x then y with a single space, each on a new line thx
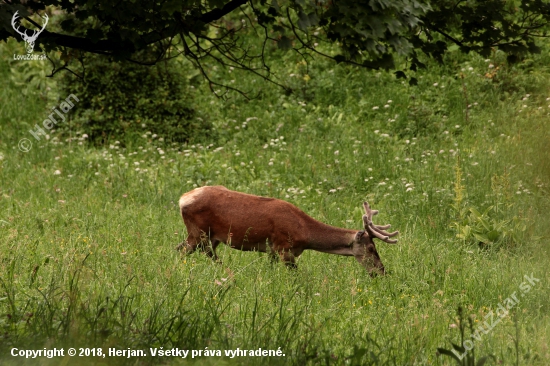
459 164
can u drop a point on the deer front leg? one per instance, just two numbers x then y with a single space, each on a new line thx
288 257
273 257
189 245
210 250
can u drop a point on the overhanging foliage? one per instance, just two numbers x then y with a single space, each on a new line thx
367 33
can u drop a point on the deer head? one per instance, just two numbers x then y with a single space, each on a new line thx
29 40
364 248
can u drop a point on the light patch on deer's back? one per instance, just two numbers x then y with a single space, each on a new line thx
190 197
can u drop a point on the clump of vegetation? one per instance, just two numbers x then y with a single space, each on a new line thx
462 355
119 99
487 228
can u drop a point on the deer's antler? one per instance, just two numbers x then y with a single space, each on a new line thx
377 230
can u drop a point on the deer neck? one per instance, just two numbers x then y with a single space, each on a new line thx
330 239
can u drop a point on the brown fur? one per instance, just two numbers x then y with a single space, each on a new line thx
248 222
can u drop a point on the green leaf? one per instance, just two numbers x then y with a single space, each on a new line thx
482 238
303 21
466 230
284 43
451 354
487 210
68 25
339 58
475 212
493 235
400 75
458 348
170 6
212 3
485 223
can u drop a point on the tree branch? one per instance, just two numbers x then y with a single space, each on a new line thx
108 46
217 13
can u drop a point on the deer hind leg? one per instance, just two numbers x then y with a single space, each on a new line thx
273 257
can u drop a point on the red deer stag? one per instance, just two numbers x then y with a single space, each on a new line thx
247 222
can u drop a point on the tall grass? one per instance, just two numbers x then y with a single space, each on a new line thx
87 233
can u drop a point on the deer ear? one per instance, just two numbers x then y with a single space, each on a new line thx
359 235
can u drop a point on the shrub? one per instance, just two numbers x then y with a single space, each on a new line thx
120 98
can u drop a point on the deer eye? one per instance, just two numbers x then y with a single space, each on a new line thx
371 249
